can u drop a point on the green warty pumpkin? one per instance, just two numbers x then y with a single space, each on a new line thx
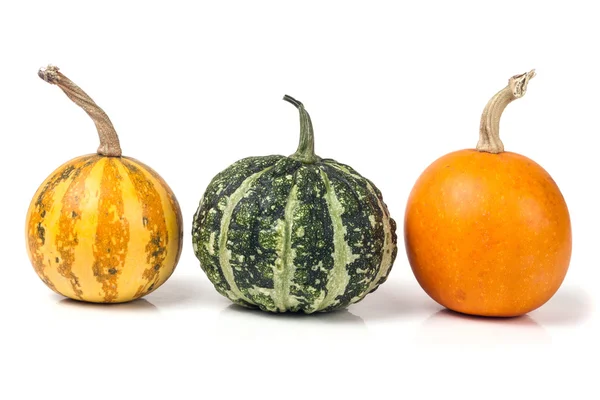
297 233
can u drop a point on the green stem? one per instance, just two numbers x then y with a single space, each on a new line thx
306 147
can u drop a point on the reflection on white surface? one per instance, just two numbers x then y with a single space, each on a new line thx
395 300
446 327
236 322
570 306
333 318
137 306
181 291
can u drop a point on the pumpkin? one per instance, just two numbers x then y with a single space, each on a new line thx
102 228
297 233
487 231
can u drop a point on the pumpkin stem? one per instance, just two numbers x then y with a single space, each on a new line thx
489 129
306 148
109 141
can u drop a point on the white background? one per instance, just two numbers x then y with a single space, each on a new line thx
193 86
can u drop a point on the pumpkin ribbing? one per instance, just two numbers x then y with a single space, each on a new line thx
91 233
102 228
296 233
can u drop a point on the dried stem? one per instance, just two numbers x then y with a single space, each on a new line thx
489 129
109 141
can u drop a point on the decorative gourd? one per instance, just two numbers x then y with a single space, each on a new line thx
488 232
102 228
297 233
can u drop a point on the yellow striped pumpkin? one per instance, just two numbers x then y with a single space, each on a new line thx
103 228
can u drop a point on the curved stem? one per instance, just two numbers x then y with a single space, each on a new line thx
109 141
306 147
489 129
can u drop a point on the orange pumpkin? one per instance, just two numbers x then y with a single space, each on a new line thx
487 232
102 228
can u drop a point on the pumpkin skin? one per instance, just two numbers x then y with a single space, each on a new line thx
297 233
488 234
282 235
104 230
